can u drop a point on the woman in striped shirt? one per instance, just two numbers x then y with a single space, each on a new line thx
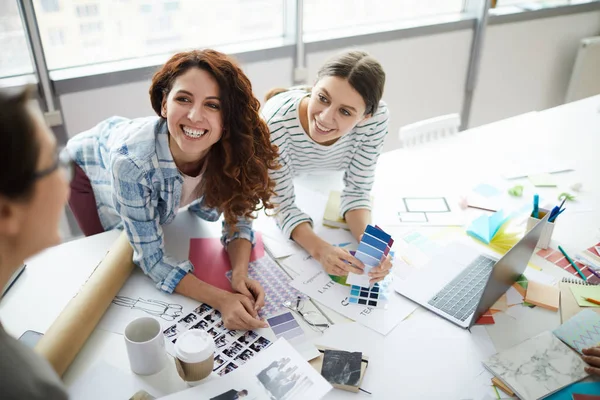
339 124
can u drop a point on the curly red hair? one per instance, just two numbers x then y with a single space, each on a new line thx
236 180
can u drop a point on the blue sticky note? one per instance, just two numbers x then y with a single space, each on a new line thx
576 388
484 228
486 190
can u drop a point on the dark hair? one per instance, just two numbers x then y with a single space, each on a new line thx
236 180
363 72
20 150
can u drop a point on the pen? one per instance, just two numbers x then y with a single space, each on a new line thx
573 264
536 204
591 300
552 219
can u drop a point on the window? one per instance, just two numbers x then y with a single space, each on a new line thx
14 57
139 28
529 4
50 6
363 13
87 10
56 37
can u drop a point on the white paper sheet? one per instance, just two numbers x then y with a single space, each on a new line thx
316 283
278 373
139 297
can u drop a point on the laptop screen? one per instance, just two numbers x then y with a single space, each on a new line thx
509 268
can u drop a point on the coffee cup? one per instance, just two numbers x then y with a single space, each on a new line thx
194 355
145 346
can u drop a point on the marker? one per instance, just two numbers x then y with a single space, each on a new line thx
536 205
572 263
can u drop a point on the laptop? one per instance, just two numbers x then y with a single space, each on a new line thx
461 283
12 279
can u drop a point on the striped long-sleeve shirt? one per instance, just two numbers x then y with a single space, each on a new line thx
355 153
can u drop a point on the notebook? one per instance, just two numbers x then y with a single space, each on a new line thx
332 217
519 366
581 331
568 305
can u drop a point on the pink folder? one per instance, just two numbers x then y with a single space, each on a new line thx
211 261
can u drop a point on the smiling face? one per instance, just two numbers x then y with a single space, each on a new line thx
334 109
193 112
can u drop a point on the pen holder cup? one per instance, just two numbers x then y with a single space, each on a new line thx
546 236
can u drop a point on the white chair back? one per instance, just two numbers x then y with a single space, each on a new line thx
429 130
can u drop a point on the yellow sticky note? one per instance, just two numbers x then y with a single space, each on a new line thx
542 180
581 291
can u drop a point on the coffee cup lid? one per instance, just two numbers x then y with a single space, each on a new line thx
194 346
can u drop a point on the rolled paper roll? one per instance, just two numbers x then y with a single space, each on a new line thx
69 332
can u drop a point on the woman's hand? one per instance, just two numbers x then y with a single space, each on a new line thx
238 312
249 288
379 273
591 356
337 261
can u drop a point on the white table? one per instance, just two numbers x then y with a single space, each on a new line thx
453 165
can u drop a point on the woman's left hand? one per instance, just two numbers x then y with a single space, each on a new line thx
379 273
250 288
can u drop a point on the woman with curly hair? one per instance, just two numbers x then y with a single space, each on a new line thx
209 149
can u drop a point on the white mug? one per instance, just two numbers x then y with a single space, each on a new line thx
145 346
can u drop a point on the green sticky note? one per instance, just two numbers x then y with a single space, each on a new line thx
542 180
581 291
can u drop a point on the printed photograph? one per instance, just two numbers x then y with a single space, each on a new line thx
212 332
232 333
188 320
248 337
261 343
218 362
233 350
200 325
231 394
221 342
220 326
171 332
227 369
202 308
283 381
211 317
245 356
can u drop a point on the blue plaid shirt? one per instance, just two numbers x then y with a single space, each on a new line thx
138 187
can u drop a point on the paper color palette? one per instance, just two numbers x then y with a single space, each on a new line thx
286 326
372 249
558 259
372 297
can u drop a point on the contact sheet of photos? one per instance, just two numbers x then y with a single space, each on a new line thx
233 348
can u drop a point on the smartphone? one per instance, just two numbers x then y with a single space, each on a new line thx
30 338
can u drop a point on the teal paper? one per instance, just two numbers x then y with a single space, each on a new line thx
485 227
576 388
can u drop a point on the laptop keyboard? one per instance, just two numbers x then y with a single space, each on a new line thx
460 297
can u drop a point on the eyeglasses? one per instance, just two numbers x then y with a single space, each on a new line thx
62 160
316 320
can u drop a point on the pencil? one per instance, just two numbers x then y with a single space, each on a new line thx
573 264
592 300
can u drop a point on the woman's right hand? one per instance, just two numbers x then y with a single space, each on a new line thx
337 261
238 313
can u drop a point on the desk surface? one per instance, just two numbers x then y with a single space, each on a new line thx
566 134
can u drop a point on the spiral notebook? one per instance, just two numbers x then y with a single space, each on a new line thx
569 305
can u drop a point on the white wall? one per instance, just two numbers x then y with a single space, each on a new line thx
526 66
425 76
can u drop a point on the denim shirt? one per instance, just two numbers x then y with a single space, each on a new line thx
138 187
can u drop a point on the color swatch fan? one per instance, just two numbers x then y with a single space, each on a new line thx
372 250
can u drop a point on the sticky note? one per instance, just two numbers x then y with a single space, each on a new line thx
542 180
543 295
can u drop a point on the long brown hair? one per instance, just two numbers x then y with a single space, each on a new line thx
236 180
